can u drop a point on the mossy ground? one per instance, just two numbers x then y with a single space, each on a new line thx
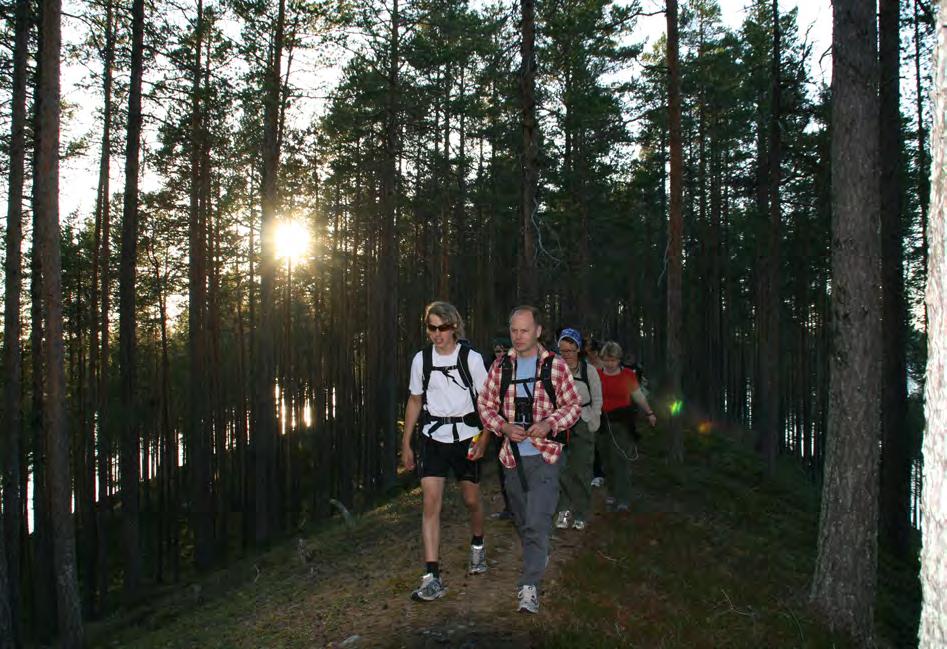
713 554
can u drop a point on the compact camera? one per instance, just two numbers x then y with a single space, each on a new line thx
523 412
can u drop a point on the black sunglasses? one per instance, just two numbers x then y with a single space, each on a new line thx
443 327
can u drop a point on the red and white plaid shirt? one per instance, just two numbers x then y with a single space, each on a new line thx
563 417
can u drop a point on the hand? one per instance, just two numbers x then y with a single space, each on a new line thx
515 433
407 457
479 447
652 419
540 429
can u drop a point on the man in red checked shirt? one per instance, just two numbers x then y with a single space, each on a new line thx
530 399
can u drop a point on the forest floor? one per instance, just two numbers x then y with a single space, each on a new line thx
713 554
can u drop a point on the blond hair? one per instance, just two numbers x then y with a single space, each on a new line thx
611 349
448 314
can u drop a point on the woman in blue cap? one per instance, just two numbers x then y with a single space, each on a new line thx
575 480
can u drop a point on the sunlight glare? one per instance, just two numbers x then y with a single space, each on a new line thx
291 239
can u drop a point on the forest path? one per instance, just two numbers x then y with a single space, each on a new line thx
478 611
351 586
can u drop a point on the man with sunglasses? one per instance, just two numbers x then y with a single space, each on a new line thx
445 380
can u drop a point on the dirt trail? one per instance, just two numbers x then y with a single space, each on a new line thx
478 611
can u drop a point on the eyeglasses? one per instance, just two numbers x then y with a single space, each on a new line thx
443 327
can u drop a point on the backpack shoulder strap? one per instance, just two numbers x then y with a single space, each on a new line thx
427 366
463 367
545 375
506 378
584 371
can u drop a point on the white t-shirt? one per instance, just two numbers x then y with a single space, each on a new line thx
446 394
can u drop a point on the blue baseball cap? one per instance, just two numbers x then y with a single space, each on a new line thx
571 334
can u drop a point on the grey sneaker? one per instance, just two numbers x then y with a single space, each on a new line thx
609 503
578 524
622 508
478 560
529 599
562 519
431 588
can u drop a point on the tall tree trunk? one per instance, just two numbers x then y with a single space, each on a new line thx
675 234
103 256
43 586
10 605
528 288
47 244
895 454
7 632
933 629
843 587
388 264
127 330
221 458
923 180
197 444
265 420
768 386
92 548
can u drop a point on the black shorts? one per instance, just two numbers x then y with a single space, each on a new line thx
435 458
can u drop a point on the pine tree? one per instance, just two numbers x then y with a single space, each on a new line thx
843 587
47 246
933 628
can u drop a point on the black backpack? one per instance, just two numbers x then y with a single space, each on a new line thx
545 377
463 368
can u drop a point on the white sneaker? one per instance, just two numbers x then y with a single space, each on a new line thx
431 588
598 482
478 560
529 599
562 519
578 524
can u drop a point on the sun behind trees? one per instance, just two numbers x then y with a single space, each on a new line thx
675 194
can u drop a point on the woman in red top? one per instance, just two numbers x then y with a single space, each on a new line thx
619 390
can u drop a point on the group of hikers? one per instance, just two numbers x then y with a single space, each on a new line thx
546 407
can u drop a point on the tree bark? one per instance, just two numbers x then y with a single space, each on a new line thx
933 628
127 331
388 264
47 245
923 180
769 383
7 633
895 454
43 586
103 258
94 541
197 444
675 234
10 605
529 202
843 587
265 420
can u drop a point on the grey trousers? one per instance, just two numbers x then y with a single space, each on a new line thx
576 479
532 513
